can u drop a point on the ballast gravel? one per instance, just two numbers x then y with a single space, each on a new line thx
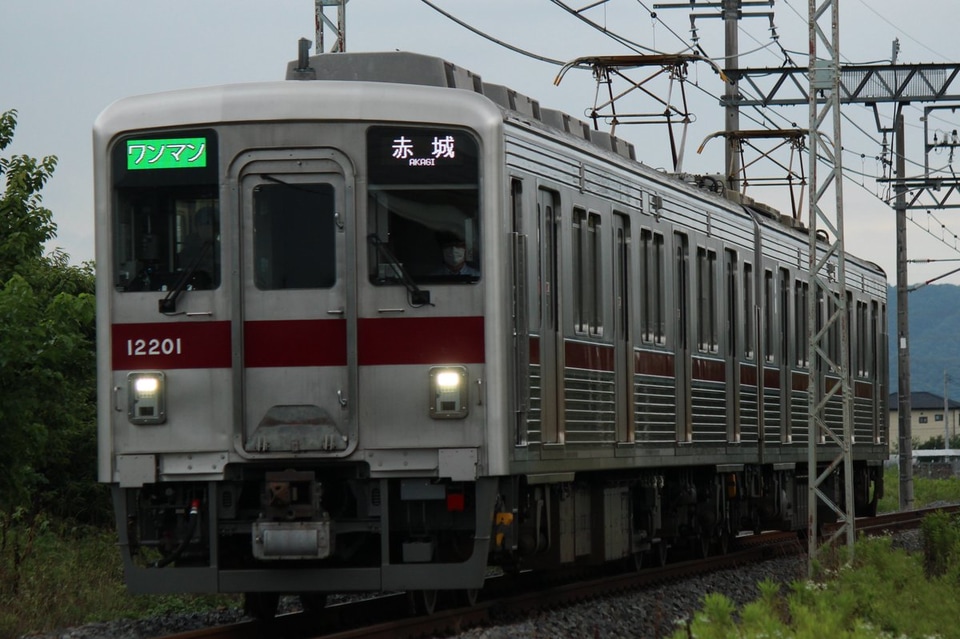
653 613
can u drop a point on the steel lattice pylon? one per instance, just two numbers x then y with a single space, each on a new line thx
829 379
339 27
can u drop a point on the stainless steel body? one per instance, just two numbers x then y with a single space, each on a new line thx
344 408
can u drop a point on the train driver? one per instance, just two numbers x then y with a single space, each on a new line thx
454 252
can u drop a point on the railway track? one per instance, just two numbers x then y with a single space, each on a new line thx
389 616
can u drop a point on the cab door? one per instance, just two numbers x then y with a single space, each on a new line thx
298 331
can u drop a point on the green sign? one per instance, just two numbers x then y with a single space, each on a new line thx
173 153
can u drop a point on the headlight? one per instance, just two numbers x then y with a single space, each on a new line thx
448 392
146 398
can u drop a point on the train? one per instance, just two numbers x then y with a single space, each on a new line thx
384 326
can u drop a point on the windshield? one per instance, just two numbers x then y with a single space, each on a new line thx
163 233
423 204
166 224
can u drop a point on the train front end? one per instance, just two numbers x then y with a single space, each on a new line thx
293 285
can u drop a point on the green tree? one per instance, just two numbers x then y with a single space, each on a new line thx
47 353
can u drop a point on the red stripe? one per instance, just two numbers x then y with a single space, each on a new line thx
534 349
863 390
275 343
650 363
171 345
597 357
709 370
415 340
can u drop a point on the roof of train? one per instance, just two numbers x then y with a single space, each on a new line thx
402 67
413 68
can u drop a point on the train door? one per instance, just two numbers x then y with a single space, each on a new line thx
298 333
520 318
681 278
623 346
550 355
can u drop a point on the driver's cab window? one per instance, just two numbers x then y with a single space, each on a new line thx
423 206
166 223
167 235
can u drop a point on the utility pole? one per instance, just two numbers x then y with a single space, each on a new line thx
946 415
731 19
903 326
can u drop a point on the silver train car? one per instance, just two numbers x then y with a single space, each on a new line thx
383 325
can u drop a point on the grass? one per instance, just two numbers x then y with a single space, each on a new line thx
925 491
887 593
55 577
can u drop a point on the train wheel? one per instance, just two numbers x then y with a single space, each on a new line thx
638 561
724 542
261 605
468 597
660 554
313 602
424 601
703 542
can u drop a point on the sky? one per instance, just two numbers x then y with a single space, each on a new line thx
64 61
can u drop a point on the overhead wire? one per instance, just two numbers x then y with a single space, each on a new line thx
633 46
766 115
486 36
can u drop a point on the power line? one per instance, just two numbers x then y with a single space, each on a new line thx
486 36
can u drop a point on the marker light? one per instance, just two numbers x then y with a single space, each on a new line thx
146 398
448 392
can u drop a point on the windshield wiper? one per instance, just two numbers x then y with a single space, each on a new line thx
168 305
417 296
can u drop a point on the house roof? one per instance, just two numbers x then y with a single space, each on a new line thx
921 401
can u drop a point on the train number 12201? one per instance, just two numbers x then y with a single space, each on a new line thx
154 346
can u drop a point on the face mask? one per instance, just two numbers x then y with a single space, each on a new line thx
454 255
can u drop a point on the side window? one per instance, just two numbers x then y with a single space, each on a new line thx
770 329
579 223
652 322
784 333
749 312
801 323
733 309
587 273
593 277
707 300
294 232
862 339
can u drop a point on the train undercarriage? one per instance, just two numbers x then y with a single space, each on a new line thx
319 530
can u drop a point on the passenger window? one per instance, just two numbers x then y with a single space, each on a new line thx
652 321
707 300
